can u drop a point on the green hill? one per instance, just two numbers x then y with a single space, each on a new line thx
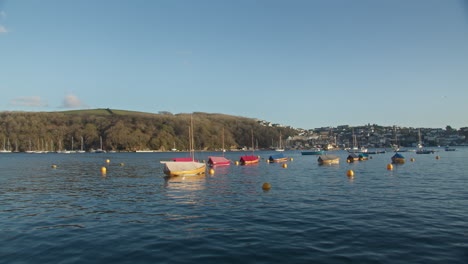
124 130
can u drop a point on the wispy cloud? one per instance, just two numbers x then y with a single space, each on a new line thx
3 29
72 101
2 14
29 101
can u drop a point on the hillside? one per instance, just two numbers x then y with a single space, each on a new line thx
124 130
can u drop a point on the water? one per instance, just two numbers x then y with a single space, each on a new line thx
416 213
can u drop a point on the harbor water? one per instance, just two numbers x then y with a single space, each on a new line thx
415 213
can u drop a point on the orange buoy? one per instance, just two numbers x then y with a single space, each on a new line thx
285 165
266 186
121 164
237 162
437 157
412 159
291 159
54 166
103 170
350 173
389 167
211 171
107 160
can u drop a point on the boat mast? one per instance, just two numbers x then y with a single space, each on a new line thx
192 151
253 147
222 149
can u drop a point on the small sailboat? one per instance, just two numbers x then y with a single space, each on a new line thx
420 149
219 161
185 166
247 160
355 148
99 150
6 147
280 145
81 149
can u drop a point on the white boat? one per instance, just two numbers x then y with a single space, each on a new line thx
99 150
355 148
185 168
280 145
6 147
81 150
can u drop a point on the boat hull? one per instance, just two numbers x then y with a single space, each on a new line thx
313 152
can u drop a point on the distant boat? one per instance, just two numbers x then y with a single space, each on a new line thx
6 147
278 158
328 159
185 166
420 149
447 148
355 148
219 161
81 150
99 150
247 160
280 145
398 158
315 151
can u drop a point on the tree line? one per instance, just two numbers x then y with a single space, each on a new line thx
54 131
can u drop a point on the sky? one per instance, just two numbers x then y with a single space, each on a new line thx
301 63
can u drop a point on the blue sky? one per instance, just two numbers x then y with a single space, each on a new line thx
307 64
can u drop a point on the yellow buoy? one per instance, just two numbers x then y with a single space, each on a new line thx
266 186
103 170
267 161
285 165
350 173
412 159
121 164
291 159
107 160
389 167
237 163
211 171
347 160
54 166
437 157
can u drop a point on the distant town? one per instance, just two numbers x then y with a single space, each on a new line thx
374 136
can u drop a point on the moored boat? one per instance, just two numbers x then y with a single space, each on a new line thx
218 161
352 157
183 168
363 156
447 148
247 160
313 152
398 158
328 159
278 158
